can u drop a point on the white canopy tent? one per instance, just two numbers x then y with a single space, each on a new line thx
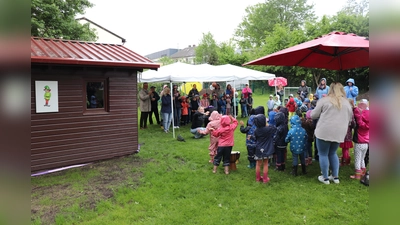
182 72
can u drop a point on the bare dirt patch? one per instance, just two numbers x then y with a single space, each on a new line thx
49 200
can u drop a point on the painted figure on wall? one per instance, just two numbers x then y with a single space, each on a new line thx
47 95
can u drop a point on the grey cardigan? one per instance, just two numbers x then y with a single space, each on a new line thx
333 122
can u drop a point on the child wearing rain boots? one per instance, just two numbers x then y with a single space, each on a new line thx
215 124
279 140
225 142
360 137
250 144
263 135
297 137
348 142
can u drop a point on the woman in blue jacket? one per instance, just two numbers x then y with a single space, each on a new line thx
322 88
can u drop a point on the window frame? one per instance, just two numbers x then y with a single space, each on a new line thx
90 111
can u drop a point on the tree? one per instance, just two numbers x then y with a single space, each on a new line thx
227 54
166 60
261 19
356 7
56 19
206 51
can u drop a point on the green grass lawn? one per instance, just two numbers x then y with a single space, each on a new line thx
171 182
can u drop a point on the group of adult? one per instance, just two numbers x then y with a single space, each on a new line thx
222 101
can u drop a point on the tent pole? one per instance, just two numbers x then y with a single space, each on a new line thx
234 99
172 109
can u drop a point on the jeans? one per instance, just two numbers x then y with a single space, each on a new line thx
177 116
223 110
328 157
167 117
223 153
196 133
244 110
308 151
296 157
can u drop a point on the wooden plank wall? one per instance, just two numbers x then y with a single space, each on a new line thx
69 137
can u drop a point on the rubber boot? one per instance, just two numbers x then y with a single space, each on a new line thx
265 178
357 175
259 178
283 166
342 161
251 165
309 160
303 169
294 170
348 161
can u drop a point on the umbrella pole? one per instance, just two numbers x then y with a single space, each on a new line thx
184 87
172 110
275 87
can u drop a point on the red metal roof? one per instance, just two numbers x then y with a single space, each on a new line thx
56 51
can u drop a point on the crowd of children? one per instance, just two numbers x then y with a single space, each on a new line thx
267 138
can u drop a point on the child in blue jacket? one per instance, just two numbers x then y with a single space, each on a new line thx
297 137
250 144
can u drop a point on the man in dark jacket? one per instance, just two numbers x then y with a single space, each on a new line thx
154 106
193 92
303 90
198 121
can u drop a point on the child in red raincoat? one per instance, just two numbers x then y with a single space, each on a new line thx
291 106
185 110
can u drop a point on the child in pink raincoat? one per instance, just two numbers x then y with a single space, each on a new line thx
215 124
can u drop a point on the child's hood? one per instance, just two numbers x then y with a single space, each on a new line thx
279 118
260 120
225 121
291 100
351 80
295 121
308 114
214 116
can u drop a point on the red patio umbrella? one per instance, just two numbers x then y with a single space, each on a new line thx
334 51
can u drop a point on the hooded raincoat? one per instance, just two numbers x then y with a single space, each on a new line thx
226 131
263 135
353 93
297 136
215 124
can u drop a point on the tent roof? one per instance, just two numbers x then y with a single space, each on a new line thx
182 72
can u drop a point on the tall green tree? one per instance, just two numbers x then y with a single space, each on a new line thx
206 51
261 19
56 19
228 55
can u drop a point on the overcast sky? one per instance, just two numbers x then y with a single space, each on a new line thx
154 25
